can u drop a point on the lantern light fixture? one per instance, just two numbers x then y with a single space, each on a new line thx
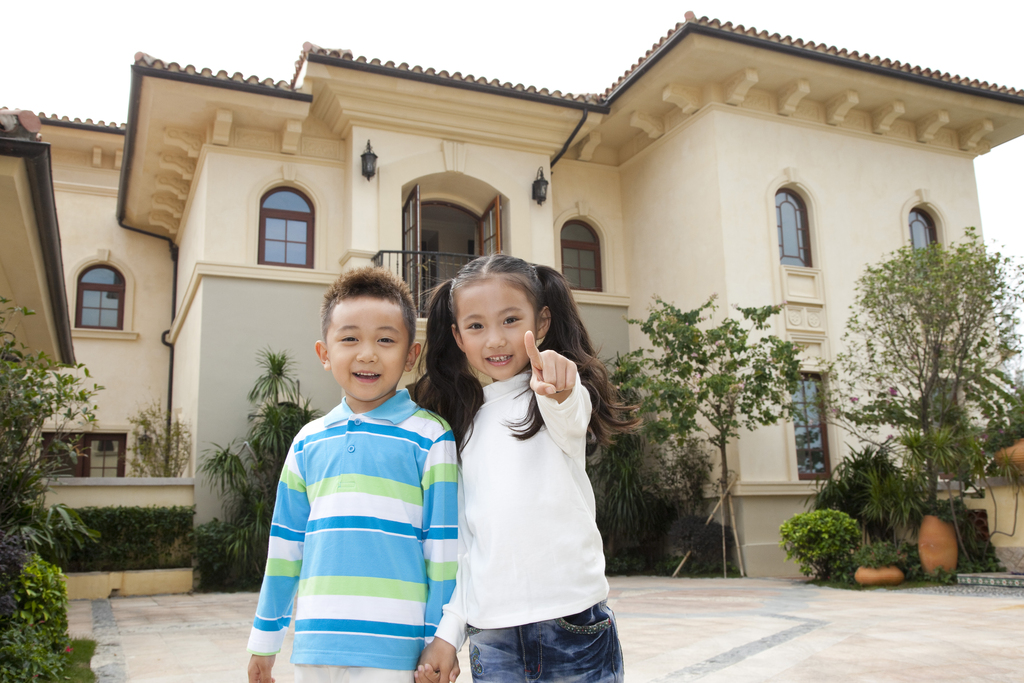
540 187
369 162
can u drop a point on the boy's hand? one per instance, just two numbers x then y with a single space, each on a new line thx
259 668
554 375
439 663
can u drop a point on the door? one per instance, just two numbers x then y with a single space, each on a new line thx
411 244
490 229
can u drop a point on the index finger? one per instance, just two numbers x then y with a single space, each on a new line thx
531 349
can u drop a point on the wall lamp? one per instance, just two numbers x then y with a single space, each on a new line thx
369 162
540 187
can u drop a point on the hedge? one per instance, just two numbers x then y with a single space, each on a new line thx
135 538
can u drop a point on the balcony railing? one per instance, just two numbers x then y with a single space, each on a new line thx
422 270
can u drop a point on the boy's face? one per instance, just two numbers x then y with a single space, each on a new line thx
367 350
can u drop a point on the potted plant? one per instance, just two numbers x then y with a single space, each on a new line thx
877 564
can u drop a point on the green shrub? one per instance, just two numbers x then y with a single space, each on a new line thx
216 569
821 542
880 554
34 638
703 541
135 538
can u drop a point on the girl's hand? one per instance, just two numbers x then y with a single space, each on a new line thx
554 375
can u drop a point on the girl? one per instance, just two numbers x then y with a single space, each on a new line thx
531 566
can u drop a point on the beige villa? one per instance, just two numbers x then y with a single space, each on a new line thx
727 160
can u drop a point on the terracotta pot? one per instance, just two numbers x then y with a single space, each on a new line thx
1014 454
883 576
936 542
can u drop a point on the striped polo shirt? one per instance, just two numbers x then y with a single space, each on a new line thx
365 529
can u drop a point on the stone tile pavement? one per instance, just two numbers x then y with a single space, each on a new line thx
672 630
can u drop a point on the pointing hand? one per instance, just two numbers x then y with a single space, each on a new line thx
554 375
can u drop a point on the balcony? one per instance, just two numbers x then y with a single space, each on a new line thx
422 270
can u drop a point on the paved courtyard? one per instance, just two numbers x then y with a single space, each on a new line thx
711 630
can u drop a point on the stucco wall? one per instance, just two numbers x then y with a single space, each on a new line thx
239 318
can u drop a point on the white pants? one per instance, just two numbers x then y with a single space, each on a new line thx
307 673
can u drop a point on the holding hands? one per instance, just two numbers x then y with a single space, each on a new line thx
554 375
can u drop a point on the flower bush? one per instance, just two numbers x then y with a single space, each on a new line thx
880 554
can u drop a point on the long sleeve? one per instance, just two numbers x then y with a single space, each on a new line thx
440 528
452 628
567 421
284 558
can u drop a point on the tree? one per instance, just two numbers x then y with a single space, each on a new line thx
37 392
163 445
247 471
928 336
716 379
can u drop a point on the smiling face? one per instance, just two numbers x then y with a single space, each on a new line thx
367 349
491 320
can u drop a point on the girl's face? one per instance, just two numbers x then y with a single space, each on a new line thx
491 320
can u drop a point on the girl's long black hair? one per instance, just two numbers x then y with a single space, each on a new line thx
449 387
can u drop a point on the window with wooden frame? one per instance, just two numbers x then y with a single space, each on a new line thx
100 302
98 455
812 461
581 256
794 233
286 229
922 229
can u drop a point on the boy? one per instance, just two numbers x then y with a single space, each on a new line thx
366 521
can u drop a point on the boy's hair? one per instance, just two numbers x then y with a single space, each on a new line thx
371 281
449 387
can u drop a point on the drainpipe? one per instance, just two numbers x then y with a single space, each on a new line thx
174 303
572 136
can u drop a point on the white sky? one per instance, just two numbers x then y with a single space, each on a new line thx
73 58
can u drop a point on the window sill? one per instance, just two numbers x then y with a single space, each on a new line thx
120 335
583 296
122 481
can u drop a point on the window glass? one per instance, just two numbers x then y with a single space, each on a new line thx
794 236
811 436
922 229
100 302
285 200
581 256
286 230
102 276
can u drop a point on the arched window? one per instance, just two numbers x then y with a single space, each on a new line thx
100 299
794 235
581 256
286 229
922 229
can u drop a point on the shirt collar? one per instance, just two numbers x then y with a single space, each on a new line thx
518 383
396 409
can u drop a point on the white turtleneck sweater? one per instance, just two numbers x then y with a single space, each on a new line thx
529 548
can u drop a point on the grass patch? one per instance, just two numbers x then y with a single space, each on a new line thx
78 671
917 583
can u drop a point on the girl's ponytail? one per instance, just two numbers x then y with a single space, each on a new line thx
448 386
568 336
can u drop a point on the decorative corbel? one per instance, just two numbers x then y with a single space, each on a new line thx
162 219
790 96
687 99
165 201
176 187
735 89
588 146
186 140
883 117
969 136
183 166
222 127
97 156
648 124
118 157
290 136
838 106
930 125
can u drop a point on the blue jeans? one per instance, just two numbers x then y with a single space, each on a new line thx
580 648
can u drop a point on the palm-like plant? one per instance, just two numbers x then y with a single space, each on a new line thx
247 471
